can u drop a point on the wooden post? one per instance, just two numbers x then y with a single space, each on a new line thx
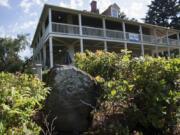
124 33
178 39
142 45
104 29
104 26
167 37
80 24
105 46
40 57
50 20
44 55
81 45
80 32
155 42
169 53
51 52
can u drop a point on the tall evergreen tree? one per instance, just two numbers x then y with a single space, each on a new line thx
176 19
164 13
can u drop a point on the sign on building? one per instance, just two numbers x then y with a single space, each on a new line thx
134 37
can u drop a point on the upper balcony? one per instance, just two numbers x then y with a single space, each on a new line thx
112 35
96 27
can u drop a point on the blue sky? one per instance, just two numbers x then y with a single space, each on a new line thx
21 16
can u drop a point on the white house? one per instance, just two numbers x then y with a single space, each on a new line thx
61 32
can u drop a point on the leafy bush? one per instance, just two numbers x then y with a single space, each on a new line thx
21 97
141 94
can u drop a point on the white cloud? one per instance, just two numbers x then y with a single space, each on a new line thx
17 28
27 5
63 4
5 3
75 4
104 4
27 52
27 25
21 27
33 14
135 9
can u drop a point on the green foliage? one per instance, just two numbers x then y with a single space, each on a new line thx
143 93
21 97
9 49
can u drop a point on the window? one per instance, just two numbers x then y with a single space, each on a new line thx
114 12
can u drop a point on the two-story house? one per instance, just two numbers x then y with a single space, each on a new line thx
61 32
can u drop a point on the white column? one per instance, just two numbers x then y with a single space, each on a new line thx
43 28
142 45
40 57
178 39
81 45
80 32
33 57
50 20
156 47
104 29
167 36
169 53
104 26
124 33
50 52
157 51
44 55
105 46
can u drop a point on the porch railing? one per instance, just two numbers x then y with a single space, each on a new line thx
114 34
70 29
162 41
149 39
65 28
93 32
173 42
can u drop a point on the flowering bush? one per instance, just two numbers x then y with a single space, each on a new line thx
141 94
21 97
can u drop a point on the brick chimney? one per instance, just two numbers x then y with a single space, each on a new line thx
94 7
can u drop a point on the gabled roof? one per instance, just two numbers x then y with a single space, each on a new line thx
115 5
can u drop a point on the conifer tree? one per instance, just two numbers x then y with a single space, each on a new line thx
164 13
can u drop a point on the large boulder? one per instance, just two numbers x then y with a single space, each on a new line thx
71 99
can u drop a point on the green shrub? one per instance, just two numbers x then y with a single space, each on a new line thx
21 97
142 94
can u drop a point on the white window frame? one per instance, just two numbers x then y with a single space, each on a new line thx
112 11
